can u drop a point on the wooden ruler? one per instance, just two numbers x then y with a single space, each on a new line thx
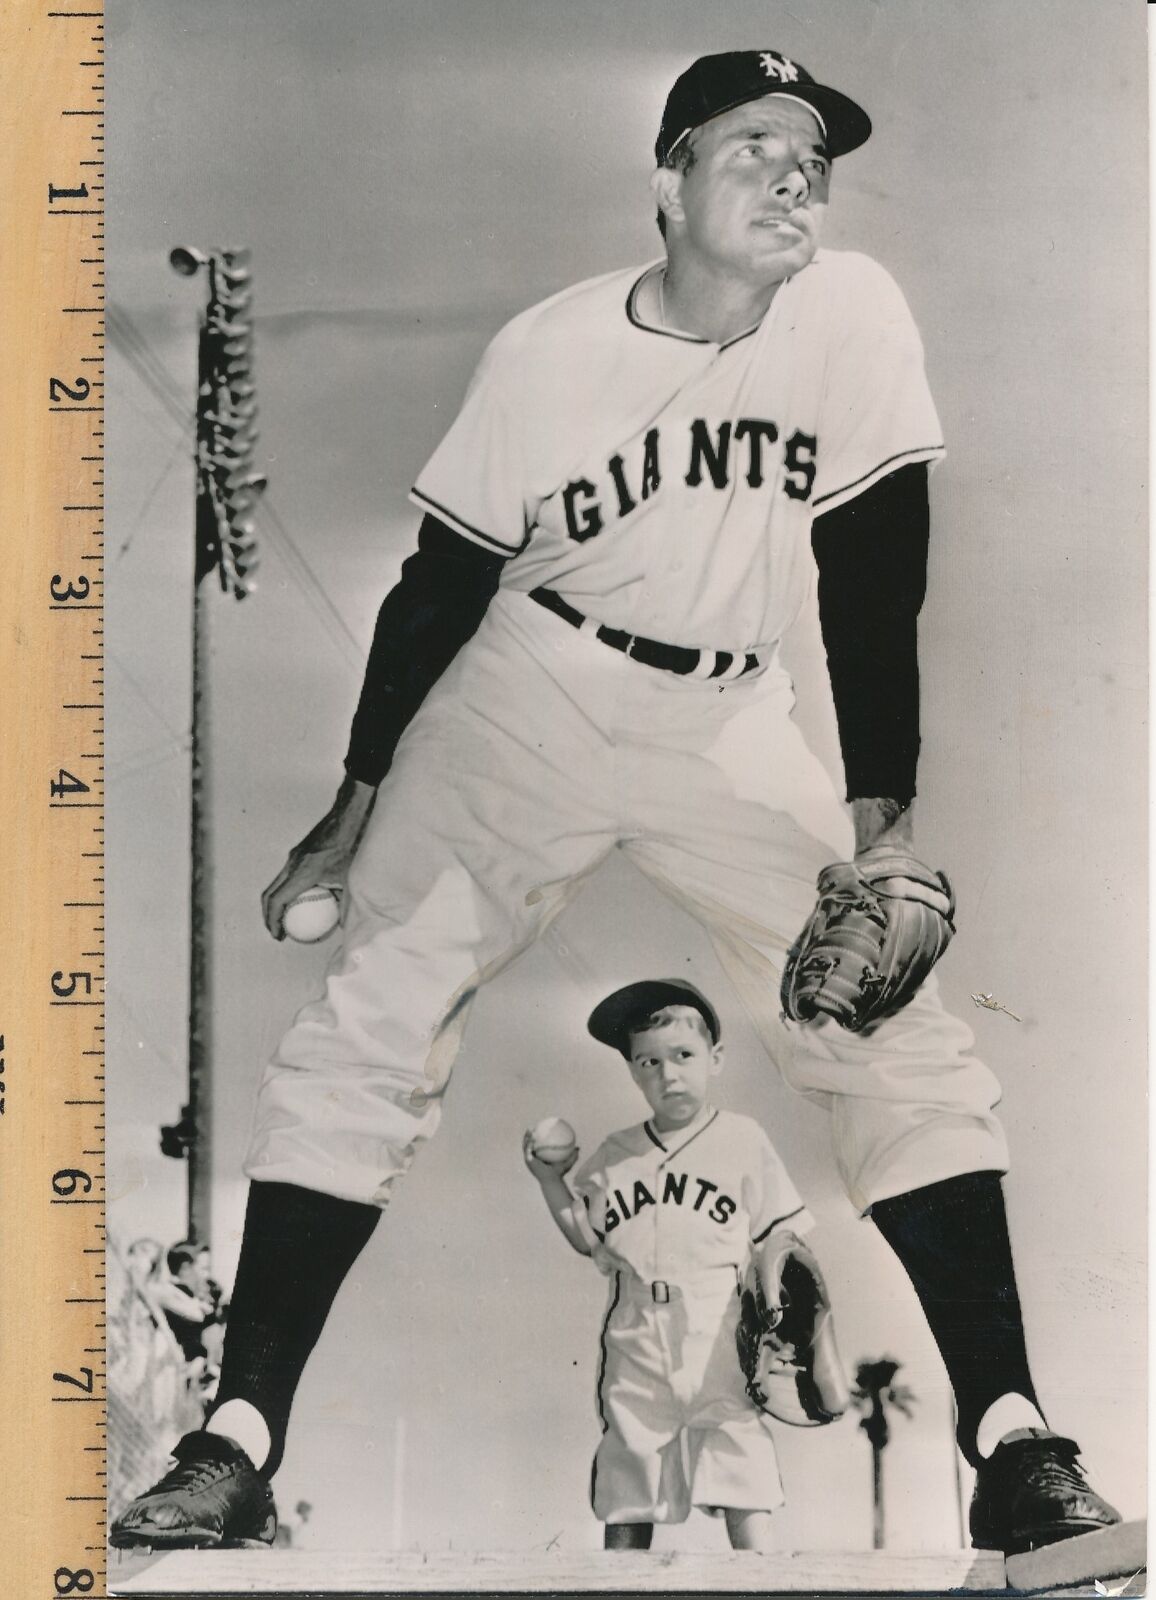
52 1361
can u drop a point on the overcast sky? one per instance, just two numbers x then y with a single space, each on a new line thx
409 176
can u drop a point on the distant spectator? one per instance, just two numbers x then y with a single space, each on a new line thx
289 1527
138 1332
191 1302
144 1259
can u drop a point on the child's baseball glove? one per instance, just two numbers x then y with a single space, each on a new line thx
786 1341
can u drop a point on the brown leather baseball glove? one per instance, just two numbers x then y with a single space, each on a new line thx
881 923
786 1340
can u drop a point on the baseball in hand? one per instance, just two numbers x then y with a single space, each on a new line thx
312 915
553 1141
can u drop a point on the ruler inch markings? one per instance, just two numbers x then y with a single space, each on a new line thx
52 124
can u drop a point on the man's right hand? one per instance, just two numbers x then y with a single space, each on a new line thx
323 856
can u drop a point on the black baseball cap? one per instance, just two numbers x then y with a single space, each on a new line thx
628 1010
714 84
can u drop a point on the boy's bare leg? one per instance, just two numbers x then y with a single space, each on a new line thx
749 1530
628 1535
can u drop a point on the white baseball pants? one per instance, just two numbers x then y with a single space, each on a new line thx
539 751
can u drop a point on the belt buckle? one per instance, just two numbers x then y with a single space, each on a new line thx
660 1292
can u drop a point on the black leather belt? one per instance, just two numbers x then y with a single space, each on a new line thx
651 652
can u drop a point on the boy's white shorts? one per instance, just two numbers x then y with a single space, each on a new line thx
679 1428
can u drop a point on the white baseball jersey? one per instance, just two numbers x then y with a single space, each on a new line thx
675 1206
666 485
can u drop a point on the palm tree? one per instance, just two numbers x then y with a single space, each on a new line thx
874 1392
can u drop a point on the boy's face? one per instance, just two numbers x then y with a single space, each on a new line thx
672 1062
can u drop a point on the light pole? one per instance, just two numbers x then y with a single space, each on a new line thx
227 489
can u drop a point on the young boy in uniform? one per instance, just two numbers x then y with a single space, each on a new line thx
671 1210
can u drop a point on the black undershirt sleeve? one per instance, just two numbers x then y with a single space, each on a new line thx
872 560
425 619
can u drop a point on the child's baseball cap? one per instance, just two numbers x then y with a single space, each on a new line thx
628 1010
714 84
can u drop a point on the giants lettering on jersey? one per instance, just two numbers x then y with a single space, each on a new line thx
675 1191
748 448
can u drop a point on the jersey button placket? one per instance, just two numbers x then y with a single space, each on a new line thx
661 1266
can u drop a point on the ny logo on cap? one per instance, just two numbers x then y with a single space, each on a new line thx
778 67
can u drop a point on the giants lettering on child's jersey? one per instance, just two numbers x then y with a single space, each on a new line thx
712 457
678 1189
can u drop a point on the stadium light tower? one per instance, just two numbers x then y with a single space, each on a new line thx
228 487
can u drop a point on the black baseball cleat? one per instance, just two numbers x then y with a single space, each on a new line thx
1031 1491
213 1496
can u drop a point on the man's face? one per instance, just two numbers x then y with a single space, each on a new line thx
752 202
672 1062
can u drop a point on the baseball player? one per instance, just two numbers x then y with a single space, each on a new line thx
674 1208
647 473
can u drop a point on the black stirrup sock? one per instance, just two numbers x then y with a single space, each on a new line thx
952 1239
297 1248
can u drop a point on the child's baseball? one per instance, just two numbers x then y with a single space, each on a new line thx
312 915
553 1141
